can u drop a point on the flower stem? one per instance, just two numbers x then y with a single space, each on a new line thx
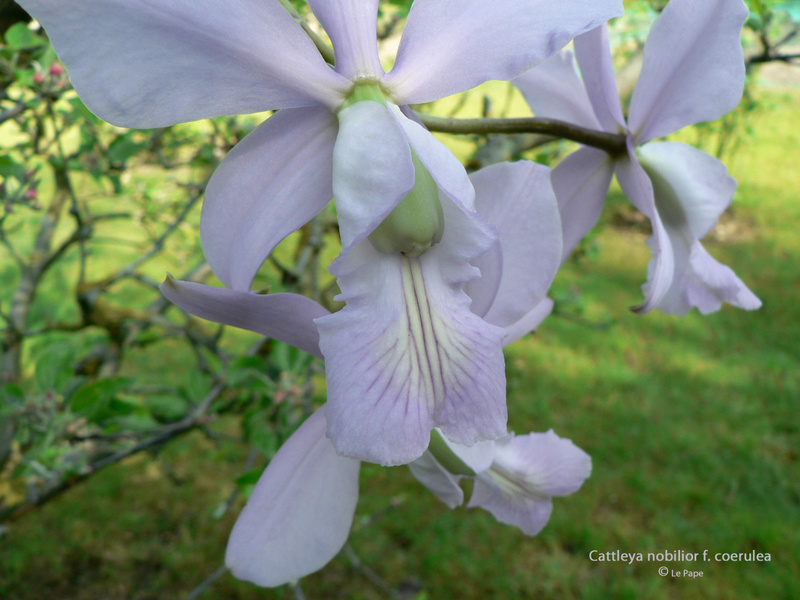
613 143
324 49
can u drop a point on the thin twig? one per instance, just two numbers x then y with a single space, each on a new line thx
158 244
248 464
168 432
368 573
197 592
770 57
325 50
297 590
13 112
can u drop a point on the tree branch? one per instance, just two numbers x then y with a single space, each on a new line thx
612 143
13 112
165 434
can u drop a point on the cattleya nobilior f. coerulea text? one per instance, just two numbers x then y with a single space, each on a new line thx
406 354
693 71
299 515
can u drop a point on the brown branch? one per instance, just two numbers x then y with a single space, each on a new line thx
13 112
612 143
768 56
158 244
196 419
30 275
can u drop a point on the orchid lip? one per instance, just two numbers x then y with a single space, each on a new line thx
422 326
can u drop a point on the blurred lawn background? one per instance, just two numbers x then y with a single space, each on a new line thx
692 424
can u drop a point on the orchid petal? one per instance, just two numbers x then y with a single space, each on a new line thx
483 290
693 67
554 465
477 457
518 200
528 322
594 57
446 170
449 46
554 90
405 354
692 189
581 182
300 512
715 283
700 281
639 189
271 184
285 317
372 169
527 471
352 26
530 516
442 483
153 64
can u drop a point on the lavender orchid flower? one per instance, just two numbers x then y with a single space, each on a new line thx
515 477
299 514
406 354
693 71
372 402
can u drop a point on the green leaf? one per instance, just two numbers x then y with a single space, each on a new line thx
19 37
249 371
54 367
166 409
94 398
83 113
250 478
136 422
10 168
265 441
123 148
196 388
11 398
247 481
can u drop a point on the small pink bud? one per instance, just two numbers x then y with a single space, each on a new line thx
56 69
31 193
38 78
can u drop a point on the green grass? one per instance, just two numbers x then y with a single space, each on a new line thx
692 424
